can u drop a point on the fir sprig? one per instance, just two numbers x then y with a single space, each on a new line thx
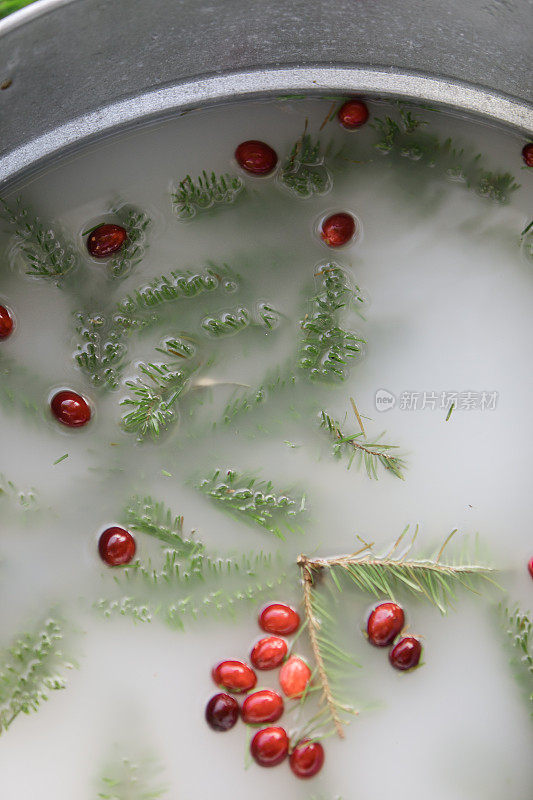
30 668
519 629
243 402
304 171
101 353
136 223
132 780
357 447
254 501
45 254
326 348
191 197
403 138
154 519
227 323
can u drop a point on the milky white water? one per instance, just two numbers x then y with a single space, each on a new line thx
449 297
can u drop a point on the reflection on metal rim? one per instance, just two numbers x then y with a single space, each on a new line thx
264 83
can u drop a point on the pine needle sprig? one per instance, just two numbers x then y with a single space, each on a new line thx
246 401
131 780
254 501
304 172
136 224
44 252
154 519
101 352
357 447
227 323
192 197
325 347
519 629
30 668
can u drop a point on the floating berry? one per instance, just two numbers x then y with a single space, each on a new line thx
530 566
279 619
527 154
222 712
234 676
255 157
406 653
116 546
337 229
270 746
385 623
353 114
105 240
6 323
268 653
307 759
262 706
70 408
294 677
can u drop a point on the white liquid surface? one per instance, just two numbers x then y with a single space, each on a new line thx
451 297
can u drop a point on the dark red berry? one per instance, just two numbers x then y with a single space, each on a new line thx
222 712
307 759
527 154
294 677
279 619
530 566
234 676
6 323
116 546
262 706
268 653
406 653
255 157
105 240
338 229
70 408
385 623
270 746
353 114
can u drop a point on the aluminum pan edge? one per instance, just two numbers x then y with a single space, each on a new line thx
263 83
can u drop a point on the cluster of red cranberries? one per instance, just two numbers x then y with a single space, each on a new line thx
270 745
384 625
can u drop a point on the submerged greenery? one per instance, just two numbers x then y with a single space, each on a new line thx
304 171
191 197
519 629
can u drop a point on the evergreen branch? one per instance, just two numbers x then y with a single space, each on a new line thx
356 445
101 353
519 629
326 348
242 402
192 197
127 780
384 575
230 322
136 223
304 172
29 669
254 501
402 138
45 254
153 518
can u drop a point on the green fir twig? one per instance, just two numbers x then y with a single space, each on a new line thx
519 629
192 197
101 352
304 172
154 519
132 780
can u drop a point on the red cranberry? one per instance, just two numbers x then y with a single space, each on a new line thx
116 546
105 240
222 712
530 566
353 114
338 229
6 323
527 154
255 157
268 653
70 408
307 759
294 677
406 653
235 676
279 619
385 623
262 706
270 746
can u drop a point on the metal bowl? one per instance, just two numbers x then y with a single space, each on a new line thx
73 70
